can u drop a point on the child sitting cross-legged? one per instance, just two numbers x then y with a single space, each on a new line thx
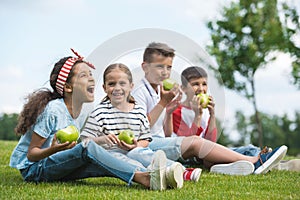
118 112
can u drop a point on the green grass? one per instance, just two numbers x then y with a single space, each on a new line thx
274 185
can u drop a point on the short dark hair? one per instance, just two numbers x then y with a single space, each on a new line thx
190 73
156 48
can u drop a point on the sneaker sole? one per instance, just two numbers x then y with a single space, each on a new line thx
175 177
197 174
273 161
159 163
241 167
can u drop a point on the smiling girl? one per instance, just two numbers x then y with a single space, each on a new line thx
40 158
118 112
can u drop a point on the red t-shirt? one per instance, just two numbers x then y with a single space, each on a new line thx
183 122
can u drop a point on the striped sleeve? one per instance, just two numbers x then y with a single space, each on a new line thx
144 124
92 127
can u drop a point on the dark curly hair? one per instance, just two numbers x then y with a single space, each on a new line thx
37 101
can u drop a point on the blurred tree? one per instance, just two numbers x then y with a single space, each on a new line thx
273 127
278 130
7 124
223 135
250 35
295 136
242 126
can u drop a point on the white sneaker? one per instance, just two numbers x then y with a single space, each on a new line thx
174 175
241 167
157 170
290 165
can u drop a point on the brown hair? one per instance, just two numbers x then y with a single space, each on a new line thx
190 73
155 48
124 69
37 101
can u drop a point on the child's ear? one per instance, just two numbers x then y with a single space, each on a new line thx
104 88
68 88
182 88
144 66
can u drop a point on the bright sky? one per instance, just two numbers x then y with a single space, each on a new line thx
35 34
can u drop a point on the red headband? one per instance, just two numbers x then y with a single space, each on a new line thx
65 71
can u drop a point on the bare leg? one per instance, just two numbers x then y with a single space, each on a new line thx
142 178
210 151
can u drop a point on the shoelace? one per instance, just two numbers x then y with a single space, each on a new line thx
264 151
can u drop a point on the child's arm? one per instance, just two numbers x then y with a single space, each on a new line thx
93 130
165 98
196 107
182 117
168 124
211 132
145 136
36 153
168 121
143 143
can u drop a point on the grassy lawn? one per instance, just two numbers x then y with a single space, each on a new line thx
274 185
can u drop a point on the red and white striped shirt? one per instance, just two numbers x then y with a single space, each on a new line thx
183 122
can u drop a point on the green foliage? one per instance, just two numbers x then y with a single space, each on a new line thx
274 185
246 35
7 123
245 39
223 137
278 130
242 127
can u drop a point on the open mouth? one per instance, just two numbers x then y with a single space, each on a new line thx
91 89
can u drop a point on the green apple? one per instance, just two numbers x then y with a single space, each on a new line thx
127 136
69 134
168 84
204 101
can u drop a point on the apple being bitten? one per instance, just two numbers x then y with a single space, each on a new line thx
204 99
127 136
168 84
68 134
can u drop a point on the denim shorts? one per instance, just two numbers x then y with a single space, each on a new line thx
171 146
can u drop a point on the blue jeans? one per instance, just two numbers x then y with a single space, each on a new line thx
82 161
170 145
129 159
144 156
248 150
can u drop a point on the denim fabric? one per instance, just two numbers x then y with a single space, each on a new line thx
248 150
171 146
127 159
82 161
144 156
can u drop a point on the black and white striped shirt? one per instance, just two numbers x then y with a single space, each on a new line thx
106 119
